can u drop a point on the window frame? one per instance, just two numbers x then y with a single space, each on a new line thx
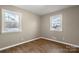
3 21
52 29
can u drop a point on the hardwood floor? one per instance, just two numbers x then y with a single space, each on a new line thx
41 46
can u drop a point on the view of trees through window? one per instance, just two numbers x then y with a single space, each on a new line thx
56 23
11 21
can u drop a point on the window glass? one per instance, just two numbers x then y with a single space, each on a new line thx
56 23
11 21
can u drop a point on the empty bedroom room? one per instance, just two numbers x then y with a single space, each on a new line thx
39 29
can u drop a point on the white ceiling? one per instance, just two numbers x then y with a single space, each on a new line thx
43 9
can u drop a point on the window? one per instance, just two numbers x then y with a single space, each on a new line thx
11 21
56 23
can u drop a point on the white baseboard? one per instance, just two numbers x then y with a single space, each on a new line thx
18 44
72 45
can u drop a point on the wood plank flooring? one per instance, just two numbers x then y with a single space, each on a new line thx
41 46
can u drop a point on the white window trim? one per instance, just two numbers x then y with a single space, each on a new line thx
51 29
2 20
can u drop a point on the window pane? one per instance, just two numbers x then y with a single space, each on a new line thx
11 21
10 17
56 23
